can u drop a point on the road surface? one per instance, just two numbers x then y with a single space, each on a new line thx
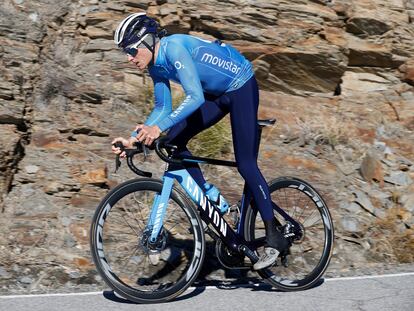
382 292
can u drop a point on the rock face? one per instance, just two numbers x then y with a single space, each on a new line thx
338 75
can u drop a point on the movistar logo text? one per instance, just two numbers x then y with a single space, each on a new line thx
216 61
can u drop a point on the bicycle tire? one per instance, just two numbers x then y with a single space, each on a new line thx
306 254
133 197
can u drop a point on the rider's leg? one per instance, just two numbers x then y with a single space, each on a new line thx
207 115
243 105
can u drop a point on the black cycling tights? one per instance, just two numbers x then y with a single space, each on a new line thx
242 105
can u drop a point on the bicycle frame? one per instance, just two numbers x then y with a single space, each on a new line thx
208 211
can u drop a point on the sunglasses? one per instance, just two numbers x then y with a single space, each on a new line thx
132 49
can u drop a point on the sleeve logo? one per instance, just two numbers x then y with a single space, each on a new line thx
178 65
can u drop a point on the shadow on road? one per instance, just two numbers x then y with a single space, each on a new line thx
254 285
111 295
225 286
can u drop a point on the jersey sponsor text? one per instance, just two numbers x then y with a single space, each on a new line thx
216 61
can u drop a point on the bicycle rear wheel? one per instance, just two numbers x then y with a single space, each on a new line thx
312 244
134 268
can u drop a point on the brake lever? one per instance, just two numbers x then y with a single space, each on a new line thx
142 146
117 158
146 153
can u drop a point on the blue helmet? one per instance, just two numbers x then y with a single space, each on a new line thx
134 29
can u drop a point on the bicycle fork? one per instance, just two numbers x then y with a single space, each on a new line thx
159 209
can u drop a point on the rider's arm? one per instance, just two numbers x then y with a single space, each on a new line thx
181 59
162 100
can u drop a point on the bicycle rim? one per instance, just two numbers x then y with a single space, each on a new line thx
310 255
135 269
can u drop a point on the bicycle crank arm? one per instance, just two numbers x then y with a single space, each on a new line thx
249 253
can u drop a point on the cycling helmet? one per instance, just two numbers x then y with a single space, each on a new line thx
137 30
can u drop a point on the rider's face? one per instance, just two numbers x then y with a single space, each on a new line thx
141 59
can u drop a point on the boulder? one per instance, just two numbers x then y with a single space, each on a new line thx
351 224
407 200
367 54
298 70
363 200
358 82
371 168
11 112
407 70
399 179
9 155
369 18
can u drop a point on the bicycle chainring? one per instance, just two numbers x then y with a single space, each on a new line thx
228 258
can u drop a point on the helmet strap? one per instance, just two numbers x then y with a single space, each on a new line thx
151 48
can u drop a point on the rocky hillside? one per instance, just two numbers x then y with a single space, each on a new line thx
338 75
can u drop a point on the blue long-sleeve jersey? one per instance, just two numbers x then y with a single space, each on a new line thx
200 66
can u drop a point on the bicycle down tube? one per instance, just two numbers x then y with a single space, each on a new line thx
208 212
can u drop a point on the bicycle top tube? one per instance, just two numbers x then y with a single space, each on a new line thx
161 144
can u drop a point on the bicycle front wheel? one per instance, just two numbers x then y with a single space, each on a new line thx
312 245
133 267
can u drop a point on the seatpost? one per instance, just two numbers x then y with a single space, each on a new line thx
262 124
260 130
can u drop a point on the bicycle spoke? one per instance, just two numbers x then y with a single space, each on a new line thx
295 202
286 199
128 258
303 206
121 223
314 220
139 208
139 205
129 225
171 228
121 233
132 215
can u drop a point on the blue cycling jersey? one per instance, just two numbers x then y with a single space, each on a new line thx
200 66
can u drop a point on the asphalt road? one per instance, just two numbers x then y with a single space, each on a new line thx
384 292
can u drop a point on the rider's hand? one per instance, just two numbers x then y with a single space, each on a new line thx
128 143
147 134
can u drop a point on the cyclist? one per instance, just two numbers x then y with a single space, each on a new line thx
216 80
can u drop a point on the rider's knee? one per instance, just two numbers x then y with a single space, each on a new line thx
246 167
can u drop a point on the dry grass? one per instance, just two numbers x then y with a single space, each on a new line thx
330 131
393 241
215 141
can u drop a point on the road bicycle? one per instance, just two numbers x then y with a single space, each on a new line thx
148 235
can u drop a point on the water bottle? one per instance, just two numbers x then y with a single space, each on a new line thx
214 195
